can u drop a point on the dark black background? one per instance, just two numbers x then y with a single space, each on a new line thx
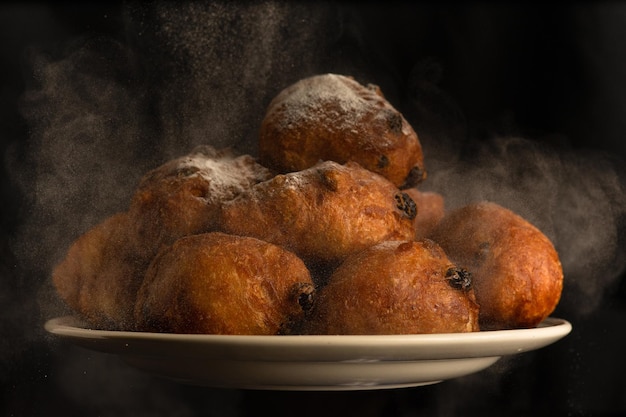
554 73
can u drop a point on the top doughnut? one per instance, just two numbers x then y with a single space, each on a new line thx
333 117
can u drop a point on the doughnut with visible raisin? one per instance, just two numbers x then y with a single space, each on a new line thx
518 277
395 287
215 283
323 213
334 117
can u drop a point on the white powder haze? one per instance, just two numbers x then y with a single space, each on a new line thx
575 197
103 111
218 64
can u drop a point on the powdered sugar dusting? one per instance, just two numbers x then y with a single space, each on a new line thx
331 99
226 173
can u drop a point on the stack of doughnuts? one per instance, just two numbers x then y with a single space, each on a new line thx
326 231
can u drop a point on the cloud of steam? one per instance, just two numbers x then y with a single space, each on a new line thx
219 65
575 197
103 110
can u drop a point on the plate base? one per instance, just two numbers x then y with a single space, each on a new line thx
310 363
309 376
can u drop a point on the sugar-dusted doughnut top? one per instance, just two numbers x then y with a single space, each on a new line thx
333 117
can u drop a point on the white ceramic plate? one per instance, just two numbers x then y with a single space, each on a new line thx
311 362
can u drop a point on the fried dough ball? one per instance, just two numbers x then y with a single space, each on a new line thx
396 288
323 213
104 267
333 117
100 274
431 208
216 283
517 273
182 196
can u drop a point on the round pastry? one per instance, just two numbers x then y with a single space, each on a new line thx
182 196
517 273
333 117
216 283
104 267
100 274
430 210
323 213
396 287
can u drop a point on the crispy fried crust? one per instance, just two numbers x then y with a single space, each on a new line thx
101 273
396 288
323 213
182 196
222 284
517 273
333 117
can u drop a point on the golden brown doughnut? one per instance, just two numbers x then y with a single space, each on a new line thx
333 117
395 288
100 274
517 273
182 196
323 213
222 284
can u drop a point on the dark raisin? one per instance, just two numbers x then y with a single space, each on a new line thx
416 175
459 278
306 295
383 161
394 122
405 203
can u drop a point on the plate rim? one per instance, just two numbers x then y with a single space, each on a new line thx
451 345
62 326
